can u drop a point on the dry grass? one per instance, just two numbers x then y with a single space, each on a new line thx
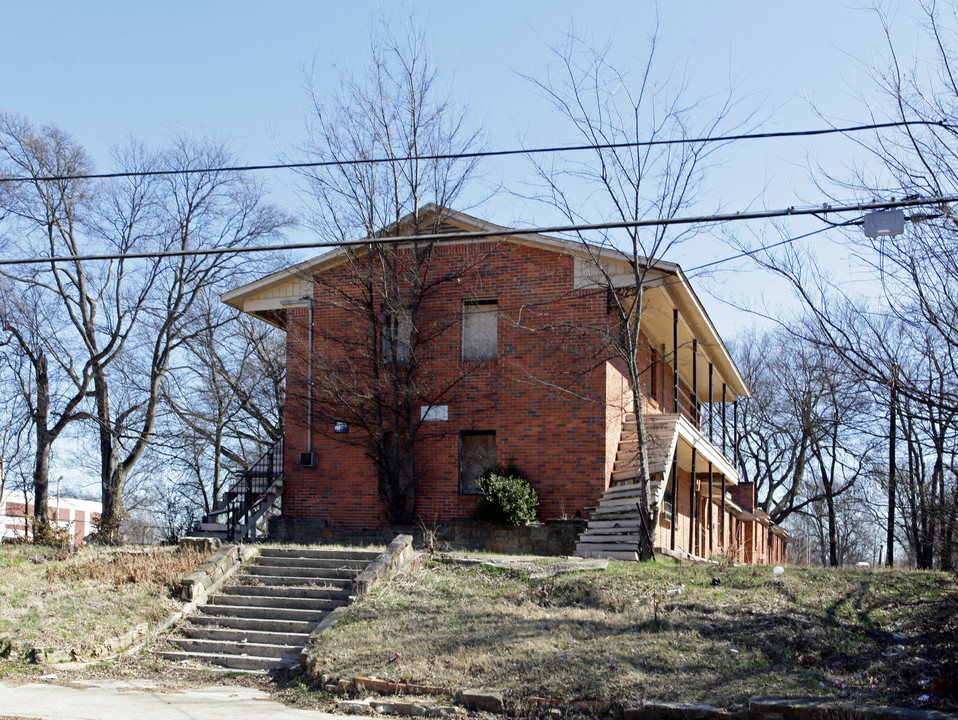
75 601
619 636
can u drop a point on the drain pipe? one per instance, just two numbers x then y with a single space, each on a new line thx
308 299
309 381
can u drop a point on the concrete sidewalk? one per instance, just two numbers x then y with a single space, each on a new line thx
143 700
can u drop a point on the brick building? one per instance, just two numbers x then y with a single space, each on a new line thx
76 517
509 339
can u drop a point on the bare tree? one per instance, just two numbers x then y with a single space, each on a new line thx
129 315
899 339
51 387
806 434
396 111
630 176
206 209
224 399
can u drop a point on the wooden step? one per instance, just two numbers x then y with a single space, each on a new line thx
611 554
624 525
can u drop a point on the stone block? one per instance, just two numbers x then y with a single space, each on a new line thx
200 544
395 707
353 707
484 701
797 709
441 710
674 711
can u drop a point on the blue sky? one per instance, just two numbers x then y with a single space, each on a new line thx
107 71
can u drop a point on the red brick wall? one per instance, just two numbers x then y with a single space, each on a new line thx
544 396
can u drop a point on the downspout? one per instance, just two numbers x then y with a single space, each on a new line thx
693 510
308 299
309 379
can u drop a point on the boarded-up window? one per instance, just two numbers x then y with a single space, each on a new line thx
397 334
480 330
477 453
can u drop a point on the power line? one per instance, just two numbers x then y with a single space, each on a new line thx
482 154
750 253
816 210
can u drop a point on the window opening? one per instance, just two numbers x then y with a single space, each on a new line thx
477 453
480 330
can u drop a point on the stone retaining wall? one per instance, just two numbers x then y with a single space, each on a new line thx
496 702
209 576
553 537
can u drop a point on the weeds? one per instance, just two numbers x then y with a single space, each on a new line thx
70 602
162 567
659 631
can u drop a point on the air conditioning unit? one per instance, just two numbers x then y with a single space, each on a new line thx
308 459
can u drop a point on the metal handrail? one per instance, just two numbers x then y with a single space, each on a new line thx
249 490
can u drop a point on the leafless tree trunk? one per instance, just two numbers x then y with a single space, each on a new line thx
124 308
606 109
395 111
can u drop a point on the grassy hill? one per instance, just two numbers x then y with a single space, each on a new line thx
68 604
661 631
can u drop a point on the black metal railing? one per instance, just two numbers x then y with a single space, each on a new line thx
250 490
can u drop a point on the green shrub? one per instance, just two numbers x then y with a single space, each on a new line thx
507 497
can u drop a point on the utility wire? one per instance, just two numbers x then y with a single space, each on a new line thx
750 253
503 232
484 153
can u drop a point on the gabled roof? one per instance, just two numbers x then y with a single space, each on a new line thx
668 288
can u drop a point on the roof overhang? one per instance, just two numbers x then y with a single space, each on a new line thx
665 290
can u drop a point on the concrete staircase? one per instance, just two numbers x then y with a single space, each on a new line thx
613 529
262 620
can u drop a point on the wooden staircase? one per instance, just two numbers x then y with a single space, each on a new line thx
262 620
613 529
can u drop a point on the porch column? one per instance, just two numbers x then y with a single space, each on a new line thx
693 508
675 496
723 511
695 382
711 404
735 439
724 420
675 361
711 502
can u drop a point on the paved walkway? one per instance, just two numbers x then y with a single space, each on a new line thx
143 700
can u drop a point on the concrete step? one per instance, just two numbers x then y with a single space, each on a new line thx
226 647
247 624
201 632
212 527
314 563
612 515
254 612
618 501
212 534
234 662
301 572
618 493
275 602
356 555
292 580
291 592
609 543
